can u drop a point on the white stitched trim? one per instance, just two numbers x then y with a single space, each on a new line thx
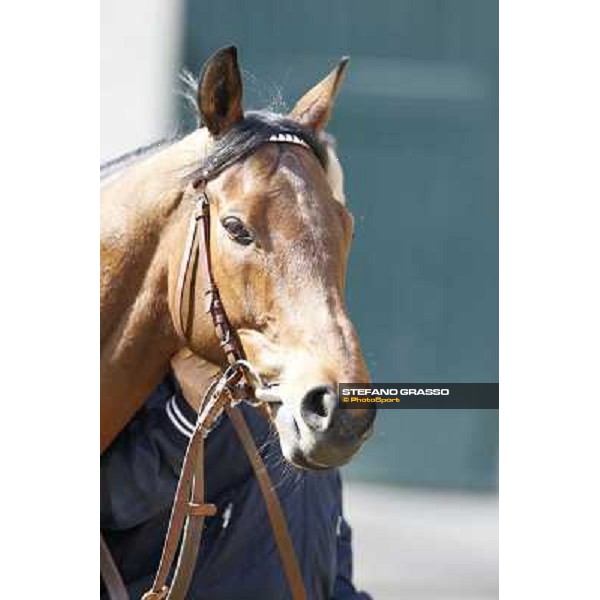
227 515
178 425
181 416
288 138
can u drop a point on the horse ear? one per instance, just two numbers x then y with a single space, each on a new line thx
220 91
314 108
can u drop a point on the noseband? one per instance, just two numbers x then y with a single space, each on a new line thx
237 383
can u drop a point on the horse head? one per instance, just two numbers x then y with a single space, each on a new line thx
280 236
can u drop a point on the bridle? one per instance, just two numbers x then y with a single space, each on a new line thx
236 384
198 239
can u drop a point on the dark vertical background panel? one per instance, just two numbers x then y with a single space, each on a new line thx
417 128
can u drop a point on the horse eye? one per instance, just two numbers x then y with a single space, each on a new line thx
237 231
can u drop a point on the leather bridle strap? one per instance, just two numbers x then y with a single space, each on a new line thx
274 510
179 321
198 238
193 509
234 380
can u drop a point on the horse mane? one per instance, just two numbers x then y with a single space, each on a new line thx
114 165
242 140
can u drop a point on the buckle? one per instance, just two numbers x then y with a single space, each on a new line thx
153 595
201 510
201 208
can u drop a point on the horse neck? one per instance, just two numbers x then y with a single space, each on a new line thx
142 219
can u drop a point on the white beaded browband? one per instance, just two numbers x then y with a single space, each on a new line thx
290 138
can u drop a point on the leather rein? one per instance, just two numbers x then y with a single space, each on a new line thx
236 384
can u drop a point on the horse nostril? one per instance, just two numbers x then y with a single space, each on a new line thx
317 407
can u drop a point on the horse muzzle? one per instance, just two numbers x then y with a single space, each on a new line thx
318 433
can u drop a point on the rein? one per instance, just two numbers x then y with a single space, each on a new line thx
235 385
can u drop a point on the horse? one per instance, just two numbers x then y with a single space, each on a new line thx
280 235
